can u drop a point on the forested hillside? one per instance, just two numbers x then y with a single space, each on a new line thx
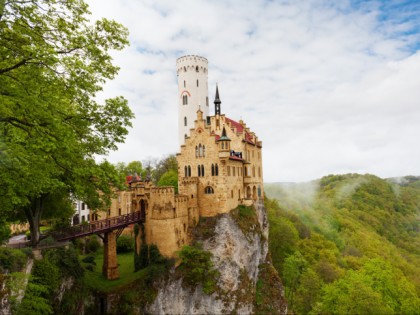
347 244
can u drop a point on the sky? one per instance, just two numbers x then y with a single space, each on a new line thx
330 87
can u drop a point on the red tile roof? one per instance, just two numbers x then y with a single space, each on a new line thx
240 129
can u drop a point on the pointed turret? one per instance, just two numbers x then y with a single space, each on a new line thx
217 102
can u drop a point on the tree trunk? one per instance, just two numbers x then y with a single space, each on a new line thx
33 214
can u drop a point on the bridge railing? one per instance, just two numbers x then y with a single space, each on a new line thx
96 227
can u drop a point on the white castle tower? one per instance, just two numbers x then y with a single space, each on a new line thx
192 92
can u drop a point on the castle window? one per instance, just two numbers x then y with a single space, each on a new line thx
185 69
196 151
245 171
119 211
204 150
259 171
184 99
212 170
209 190
196 69
199 170
228 170
197 83
185 136
223 145
185 121
202 170
233 171
185 171
217 170
184 83
189 171
200 151
253 171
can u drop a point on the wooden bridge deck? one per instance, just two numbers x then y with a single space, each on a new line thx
100 226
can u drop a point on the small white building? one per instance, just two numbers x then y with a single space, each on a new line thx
81 212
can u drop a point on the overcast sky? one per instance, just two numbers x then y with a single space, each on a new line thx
329 86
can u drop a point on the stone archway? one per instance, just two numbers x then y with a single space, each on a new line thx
143 208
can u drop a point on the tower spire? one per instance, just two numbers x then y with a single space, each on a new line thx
217 101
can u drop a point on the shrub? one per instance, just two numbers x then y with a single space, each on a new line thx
125 244
92 244
89 259
11 260
197 268
46 274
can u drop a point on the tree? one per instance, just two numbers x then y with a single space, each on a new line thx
53 62
166 164
170 178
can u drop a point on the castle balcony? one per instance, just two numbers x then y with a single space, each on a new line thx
248 180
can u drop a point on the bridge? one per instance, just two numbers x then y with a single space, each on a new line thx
107 229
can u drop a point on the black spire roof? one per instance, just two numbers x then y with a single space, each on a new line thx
217 102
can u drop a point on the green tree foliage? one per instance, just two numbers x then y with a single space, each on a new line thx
133 167
169 178
53 62
4 231
164 166
355 245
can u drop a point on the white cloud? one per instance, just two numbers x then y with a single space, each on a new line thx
329 88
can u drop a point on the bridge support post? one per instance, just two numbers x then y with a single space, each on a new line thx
110 266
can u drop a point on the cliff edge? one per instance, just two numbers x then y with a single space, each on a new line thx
247 282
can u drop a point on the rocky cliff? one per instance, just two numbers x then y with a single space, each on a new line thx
247 283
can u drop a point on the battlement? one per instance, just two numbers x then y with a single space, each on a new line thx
165 190
191 62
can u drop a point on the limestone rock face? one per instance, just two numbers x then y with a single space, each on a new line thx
237 255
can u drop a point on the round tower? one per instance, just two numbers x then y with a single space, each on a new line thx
192 92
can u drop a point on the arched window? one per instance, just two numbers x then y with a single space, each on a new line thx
212 170
200 150
204 150
186 171
199 170
185 121
189 171
202 170
196 151
217 170
196 69
208 190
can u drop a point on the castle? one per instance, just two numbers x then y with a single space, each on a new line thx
219 167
